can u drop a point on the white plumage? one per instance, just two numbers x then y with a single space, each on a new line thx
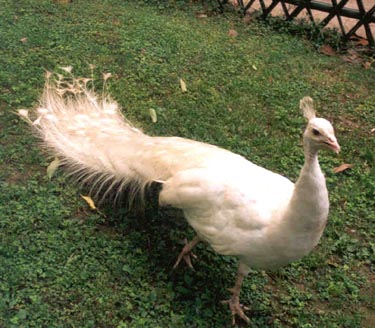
237 207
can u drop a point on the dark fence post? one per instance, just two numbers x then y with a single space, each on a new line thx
336 8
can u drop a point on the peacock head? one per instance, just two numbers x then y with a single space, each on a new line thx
319 133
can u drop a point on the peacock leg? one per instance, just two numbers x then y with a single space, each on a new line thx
186 253
234 302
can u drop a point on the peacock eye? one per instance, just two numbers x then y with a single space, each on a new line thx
315 132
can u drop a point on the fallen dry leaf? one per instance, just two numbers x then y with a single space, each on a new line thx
89 201
332 263
153 115
368 65
362 42
353 57
52 167
201 15
327 50
349 123
247 19
183 85
342 168
359 41
232 33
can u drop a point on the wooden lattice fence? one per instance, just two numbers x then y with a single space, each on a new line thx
329 10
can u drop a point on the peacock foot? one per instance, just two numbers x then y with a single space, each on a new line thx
237 309
186 254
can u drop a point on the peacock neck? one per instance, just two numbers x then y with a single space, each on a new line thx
311 171
311 155
304 218
307 211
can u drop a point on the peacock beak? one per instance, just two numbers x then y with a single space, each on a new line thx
332 143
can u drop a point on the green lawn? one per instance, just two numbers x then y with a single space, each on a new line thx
64 265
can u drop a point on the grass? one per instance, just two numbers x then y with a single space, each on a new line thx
64 265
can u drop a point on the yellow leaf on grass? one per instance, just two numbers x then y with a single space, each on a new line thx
342 167
153 115
327 50
232 33
89 201
183 85
201 15
52 167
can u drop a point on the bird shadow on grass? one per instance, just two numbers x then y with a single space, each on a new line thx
160 233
